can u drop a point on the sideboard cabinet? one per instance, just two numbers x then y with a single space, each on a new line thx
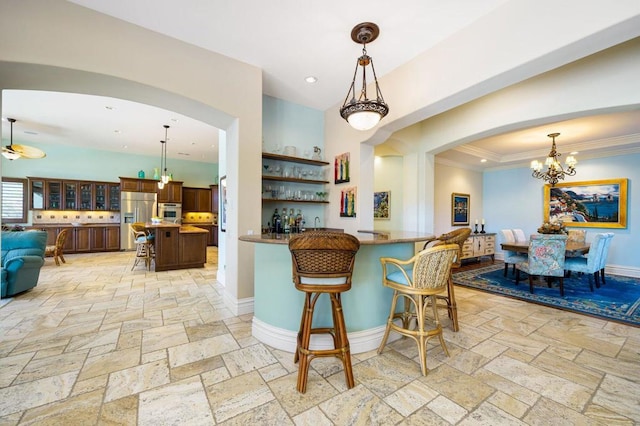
478 245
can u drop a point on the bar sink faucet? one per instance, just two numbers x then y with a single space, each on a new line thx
315 222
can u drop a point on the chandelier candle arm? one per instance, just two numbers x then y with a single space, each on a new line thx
555 172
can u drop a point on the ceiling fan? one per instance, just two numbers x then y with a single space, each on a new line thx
13 152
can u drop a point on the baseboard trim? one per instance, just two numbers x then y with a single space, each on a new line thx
285 340
238 307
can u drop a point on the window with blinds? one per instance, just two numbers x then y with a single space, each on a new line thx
14 200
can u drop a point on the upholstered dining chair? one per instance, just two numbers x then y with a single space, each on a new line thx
576 236
418 281
605 253
56 249
322 264
545 258
457 236
511 257
591 263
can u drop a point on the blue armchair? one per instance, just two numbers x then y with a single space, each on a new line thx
22 258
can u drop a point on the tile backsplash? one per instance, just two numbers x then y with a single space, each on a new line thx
69 216
200 217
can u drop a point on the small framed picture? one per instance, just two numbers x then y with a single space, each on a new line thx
381 204
459 209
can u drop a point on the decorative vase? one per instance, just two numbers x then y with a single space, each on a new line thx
156 173
141 174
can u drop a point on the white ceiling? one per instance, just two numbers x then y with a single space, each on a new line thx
289 40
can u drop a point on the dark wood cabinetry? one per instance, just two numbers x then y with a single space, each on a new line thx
196 200
167 248
59 194
215 197
138 185
85 239
171 193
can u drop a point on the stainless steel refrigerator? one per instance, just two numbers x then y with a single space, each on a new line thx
135 207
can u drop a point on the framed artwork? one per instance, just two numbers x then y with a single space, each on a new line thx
222 220
348 199
459 209
588 204
341 168
381 204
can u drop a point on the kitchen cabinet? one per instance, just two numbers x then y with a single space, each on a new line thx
478 245
293 179
171 193
196 200
82 237
138 185
97 239
112 238
214 199
58 194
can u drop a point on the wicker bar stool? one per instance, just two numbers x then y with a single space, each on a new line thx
458 236
322 263
418 281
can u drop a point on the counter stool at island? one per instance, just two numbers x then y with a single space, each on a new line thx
144 245
323 263
418 281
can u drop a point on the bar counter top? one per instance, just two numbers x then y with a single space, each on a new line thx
365 237
183 229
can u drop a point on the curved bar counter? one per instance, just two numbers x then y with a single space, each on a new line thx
278 305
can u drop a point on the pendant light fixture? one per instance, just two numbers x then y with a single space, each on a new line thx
555 171
363 113
164 178
13 152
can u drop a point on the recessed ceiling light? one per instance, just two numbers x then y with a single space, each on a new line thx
193 143
110 108
30 132
125 146
116 131
175 120
311 79
484 160
574 153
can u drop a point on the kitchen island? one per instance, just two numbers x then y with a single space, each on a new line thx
278 305
178 246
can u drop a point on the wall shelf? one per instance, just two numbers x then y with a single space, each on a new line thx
294 180
298 160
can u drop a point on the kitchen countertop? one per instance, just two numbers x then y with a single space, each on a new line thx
183 229
58 225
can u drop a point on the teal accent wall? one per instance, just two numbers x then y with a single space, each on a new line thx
65 162
288 124
366 305
514 199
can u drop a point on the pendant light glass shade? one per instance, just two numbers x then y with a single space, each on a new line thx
164 178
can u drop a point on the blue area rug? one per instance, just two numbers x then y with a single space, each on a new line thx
617 300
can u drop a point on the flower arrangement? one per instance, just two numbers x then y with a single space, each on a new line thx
552 228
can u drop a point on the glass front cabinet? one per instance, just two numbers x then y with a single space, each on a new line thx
58 194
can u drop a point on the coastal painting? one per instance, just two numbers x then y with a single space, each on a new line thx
589 204
459 209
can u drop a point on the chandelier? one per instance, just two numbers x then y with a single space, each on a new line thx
555 172
164 178
364 113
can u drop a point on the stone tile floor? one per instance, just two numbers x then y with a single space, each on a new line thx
98 344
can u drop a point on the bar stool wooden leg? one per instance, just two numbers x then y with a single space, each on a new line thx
342 342
452 306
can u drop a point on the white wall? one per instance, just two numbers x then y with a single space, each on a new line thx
462 181
388 177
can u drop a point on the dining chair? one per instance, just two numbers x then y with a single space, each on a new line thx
576 236
604 254
511 257
418 281
56 249
546 258
457 236
322 264
591 263
519 235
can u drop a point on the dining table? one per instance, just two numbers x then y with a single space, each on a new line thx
573 248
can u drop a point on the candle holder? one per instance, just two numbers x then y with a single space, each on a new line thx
482 230
476 229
